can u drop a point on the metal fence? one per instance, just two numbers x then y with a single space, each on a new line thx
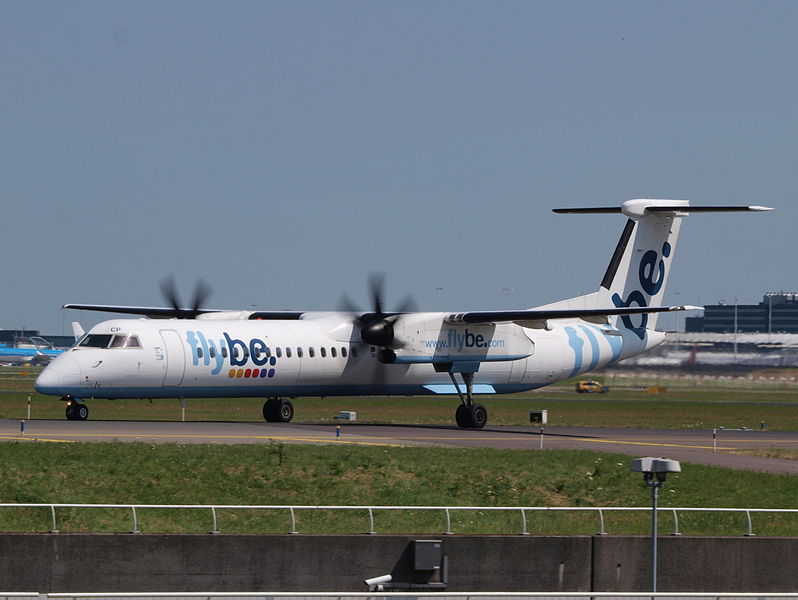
415 596
446 512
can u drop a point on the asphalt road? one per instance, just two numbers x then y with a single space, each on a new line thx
694 446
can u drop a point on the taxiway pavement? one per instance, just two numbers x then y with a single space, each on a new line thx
693 446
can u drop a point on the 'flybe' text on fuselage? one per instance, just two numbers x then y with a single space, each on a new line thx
213 353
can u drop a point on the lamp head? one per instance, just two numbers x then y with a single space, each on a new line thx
651 466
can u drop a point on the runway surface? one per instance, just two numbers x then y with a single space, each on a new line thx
694 446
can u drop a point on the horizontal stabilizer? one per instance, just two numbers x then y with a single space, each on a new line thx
509 316
603 210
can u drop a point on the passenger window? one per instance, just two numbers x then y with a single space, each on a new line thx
311 352
279 352
237 353
343 351
333 352
256 354
299 352
288 352
212 352
323 352
224 351
268 352
199 352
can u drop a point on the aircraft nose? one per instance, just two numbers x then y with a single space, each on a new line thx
60 377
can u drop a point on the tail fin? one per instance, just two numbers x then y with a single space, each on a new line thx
639 267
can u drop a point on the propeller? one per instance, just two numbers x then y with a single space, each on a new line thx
202 292
377 327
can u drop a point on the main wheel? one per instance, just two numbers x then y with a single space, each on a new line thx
461 416
285 411
278 410
478 415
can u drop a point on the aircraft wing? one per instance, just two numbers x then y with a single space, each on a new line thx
525 316
154 312
160 312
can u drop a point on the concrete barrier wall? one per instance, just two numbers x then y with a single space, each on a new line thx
146 563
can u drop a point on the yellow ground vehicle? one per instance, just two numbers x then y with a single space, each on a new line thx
589 386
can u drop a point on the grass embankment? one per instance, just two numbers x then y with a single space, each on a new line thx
695 402
334 475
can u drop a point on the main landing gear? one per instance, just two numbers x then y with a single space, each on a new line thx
75 410
278 410
469 415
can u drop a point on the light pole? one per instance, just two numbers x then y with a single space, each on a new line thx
770 315
654 471
735 330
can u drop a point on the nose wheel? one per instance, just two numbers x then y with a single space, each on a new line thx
76 411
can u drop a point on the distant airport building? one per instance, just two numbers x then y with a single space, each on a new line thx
777 313
9 337
32 337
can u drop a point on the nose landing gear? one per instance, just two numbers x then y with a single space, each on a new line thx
75 409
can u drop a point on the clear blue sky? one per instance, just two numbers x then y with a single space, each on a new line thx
284 150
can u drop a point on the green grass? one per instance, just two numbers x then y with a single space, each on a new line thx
688 402
293 474
334 475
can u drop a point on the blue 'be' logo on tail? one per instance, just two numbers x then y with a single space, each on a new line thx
651 275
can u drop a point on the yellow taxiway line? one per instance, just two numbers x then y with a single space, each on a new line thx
145 436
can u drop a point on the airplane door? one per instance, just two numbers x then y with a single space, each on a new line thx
175 358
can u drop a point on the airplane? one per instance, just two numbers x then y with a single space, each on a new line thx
280 355
38 354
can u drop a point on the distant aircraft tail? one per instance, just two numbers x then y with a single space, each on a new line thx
638 270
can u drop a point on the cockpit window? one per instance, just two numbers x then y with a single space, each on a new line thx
95 340
125 341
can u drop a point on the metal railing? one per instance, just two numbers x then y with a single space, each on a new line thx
404 595
445 510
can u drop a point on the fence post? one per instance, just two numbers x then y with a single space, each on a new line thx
523 523
293 521
448 523
53 529
602 531
371 522
675 523
213 516
750 524
135 521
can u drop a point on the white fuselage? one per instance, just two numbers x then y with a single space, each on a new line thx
322 355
